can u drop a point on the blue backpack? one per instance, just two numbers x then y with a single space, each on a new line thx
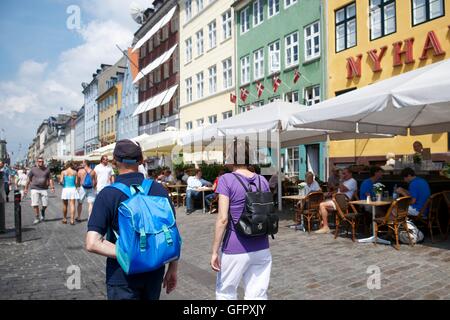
87 183
149 236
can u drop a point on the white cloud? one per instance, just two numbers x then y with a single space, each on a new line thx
40 89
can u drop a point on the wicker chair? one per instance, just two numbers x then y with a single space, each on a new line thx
310 210
446 202
345 213
396 216
432 219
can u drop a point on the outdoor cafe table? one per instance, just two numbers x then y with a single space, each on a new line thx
203 190
372 204
177 188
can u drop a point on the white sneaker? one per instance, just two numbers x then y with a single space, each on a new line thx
41 218
36 221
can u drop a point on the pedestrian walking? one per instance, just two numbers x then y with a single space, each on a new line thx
69 194
104 221
6 178
103 174
39 179
21 181
241 257
86 188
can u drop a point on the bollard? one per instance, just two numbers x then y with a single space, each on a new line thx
18 216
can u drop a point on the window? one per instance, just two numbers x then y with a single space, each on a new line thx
288 3
274 57
199 35
258 60
189 89
293 161
292 97
199 5
212 34
245 20
245 70
157 75
346 27
212 79
188 50
292 49
200 122
212 119
227 114
312 41
426 10
258 12
188 5
276 98
312 95
227 73
189 125
382 18
274 7
166 67
226 24
199 85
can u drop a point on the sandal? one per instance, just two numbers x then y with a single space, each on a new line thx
78 220
64 221
72 223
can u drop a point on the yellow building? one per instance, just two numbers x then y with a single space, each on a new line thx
371 40
207 62
109 104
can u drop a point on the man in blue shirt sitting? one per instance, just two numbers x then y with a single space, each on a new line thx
104 219
418 189
366 188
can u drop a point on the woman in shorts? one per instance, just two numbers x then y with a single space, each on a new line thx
69 194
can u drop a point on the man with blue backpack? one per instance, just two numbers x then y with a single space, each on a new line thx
86 189
133 225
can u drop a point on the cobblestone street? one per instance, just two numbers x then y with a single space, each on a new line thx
304 266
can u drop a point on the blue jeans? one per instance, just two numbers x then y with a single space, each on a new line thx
190 194
148 289
209 198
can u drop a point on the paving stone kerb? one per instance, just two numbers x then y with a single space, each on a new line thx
305 266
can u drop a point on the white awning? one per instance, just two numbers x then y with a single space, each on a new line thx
155 64
155 29
155 101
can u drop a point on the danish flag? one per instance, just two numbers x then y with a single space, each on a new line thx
276 83
244 94
296 76
232 98
259 88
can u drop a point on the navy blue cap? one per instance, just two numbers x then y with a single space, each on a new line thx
127 151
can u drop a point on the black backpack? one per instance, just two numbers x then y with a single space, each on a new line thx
258 217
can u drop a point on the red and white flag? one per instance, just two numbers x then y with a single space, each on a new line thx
232 98
259 88
276 83
244 94
296 75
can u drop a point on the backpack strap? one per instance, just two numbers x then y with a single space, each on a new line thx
240 180
121 187
147 185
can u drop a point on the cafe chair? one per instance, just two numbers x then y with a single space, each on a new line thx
214 207
346 213
396 216
432 219
310 208
446 202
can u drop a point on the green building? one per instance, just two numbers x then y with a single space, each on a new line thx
283 39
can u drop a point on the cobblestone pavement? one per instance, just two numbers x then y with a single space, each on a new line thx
305 266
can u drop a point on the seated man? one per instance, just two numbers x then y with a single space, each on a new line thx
333 180
167 177
193 184
210 197
348 185
418 189
366 189
311 184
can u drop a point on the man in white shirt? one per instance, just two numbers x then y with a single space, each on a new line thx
348 186
311 184
193 184
103 174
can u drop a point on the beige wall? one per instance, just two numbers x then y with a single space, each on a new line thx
210 104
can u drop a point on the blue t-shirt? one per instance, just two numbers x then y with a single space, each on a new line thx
105 215
419 190
366 187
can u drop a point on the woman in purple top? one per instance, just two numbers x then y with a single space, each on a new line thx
241 257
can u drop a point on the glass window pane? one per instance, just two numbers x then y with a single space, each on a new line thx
340 15
351 11
389 22
419 11
351 33
340 38
375 23
436 8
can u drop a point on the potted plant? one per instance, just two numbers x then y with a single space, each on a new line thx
378 189
301 188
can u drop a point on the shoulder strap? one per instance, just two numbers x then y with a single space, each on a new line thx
146 185
240 180
121 187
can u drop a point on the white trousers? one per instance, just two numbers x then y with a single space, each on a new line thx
253 268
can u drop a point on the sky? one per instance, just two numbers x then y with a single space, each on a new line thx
46 52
